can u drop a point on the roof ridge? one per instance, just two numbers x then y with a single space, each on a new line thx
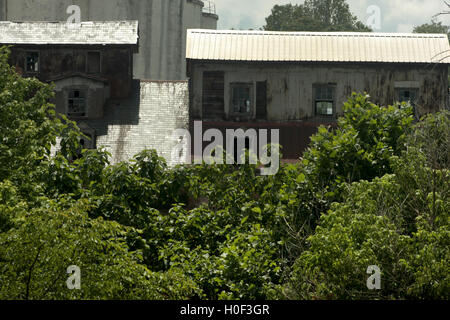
319 33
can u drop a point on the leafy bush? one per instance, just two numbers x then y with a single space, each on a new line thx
399 223
36 252
373 191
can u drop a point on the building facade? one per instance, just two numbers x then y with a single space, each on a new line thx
90 65
297 81
126 96
163 26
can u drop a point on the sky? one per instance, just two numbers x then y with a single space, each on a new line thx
395 15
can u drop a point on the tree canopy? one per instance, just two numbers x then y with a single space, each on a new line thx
373 191
314 15
433 27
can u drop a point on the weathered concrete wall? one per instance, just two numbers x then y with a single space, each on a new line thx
145 121
163 27
290 86
96 94
56 62
209 21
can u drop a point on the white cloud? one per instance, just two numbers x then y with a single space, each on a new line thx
396 15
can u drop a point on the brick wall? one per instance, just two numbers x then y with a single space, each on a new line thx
144 121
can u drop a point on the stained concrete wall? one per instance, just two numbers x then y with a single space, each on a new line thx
96 94
290 86
163 27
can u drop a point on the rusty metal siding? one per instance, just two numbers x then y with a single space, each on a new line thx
294 136
317 46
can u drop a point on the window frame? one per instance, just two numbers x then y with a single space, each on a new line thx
398 90
80 115
251 87
317 100
27 53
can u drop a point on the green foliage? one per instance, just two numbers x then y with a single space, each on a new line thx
372 191
29 125
433 27
314 15
399 222
366 138
36 252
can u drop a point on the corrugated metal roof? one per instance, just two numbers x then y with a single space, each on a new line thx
317 46
90 33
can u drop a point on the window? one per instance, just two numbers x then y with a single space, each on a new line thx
408 95
93 62
324 100
77 103
32 62
241 100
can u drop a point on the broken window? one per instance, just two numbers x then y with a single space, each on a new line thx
241 100
32 61
77 103
93 62
324 100
408 95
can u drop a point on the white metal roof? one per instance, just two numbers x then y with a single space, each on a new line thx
317 46
89 33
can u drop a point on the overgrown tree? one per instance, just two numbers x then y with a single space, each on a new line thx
433 27
314 15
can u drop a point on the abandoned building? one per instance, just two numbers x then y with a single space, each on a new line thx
90 65
295 81
124 80
163 26
132 72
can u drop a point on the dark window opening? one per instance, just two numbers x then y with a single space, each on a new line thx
407 95
77 104
93 62
32 62
324 100
241 98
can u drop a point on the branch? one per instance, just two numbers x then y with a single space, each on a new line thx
31 271
444 12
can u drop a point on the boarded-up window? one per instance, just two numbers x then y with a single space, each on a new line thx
93 62
213 95
261 100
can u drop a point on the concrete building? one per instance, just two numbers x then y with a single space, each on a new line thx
162 23
90 65
133 90
297 81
